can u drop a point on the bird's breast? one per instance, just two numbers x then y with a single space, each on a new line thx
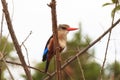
62 43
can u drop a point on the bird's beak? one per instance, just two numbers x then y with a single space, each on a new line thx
71 29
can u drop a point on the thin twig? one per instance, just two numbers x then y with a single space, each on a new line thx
26 38
81 69
2 20
65 72
27 54
15 63
8 70
26 48
14 39
85 49
106 51
12 9
102 68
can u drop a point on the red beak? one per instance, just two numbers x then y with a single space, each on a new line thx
71 29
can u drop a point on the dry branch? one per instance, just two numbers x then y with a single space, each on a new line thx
15 41
108 41
8 70
85 49
11 62
26 38
26 48
52 5
81 69
2 20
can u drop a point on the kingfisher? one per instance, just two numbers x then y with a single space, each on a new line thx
48 53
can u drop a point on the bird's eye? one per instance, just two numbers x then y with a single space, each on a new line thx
63 28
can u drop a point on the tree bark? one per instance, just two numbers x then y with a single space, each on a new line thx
52 5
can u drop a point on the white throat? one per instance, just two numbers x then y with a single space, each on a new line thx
62 38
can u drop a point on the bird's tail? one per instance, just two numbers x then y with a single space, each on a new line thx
44 57
47 65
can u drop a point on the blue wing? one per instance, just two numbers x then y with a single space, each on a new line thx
45 54
46 50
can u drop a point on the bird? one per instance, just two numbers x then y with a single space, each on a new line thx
48 53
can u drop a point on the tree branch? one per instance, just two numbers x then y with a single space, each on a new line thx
52 5
15 41
8 70
85 49
81 69
108 41
26 38
10 62
2 20
26 48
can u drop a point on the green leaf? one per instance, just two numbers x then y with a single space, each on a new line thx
114 10
117 8
114 1
106 4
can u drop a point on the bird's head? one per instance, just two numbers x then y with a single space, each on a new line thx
63 30
65 27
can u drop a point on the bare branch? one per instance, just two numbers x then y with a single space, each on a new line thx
10 62
26 48
27 54
101 71
81 69
26 38
8 70
2 20
15 41
52 5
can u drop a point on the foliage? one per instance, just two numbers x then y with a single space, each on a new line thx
5 47
117 6
92 71
114 70
9 46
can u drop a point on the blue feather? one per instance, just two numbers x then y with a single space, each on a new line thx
45 51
